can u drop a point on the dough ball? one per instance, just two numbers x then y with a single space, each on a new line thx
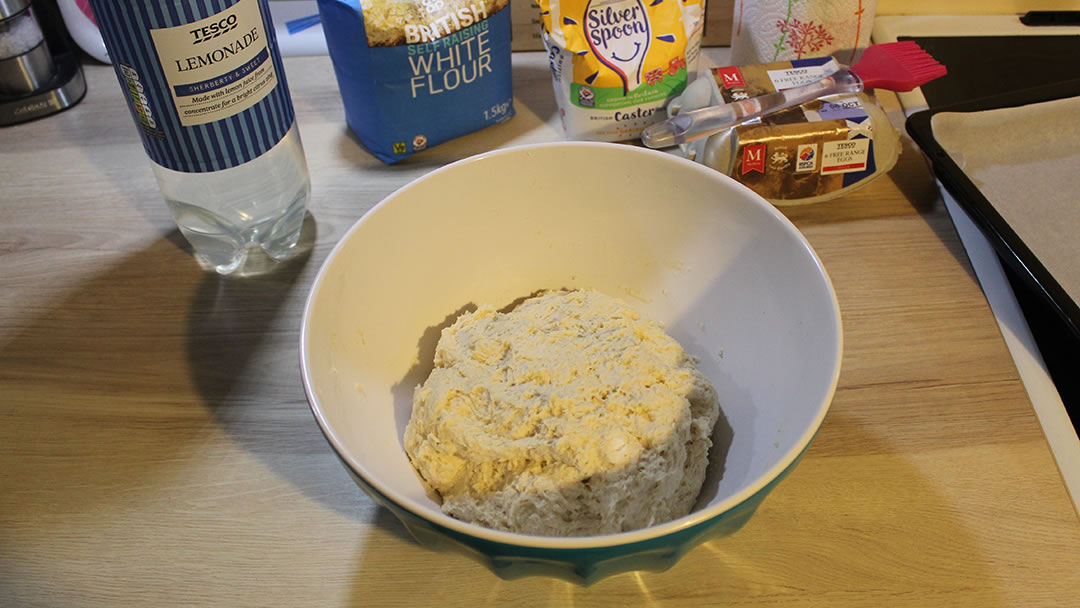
569 416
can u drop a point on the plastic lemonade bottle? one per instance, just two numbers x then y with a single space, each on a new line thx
205 85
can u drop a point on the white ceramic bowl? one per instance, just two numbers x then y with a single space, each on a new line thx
730 277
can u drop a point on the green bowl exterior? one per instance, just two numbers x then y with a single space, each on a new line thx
582 566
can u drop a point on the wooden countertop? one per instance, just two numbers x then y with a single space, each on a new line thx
156 447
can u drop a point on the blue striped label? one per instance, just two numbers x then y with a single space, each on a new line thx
204 78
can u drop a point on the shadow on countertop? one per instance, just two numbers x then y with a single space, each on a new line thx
243 356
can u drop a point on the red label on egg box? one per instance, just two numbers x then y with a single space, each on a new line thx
753 159
731 77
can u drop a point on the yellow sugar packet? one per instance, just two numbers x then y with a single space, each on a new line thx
616 63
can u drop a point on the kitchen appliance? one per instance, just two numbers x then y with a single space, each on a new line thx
39 66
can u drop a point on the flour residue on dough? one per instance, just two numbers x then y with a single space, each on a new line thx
570 415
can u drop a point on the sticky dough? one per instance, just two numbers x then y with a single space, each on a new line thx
569 416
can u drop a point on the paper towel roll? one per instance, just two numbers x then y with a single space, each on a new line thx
763 31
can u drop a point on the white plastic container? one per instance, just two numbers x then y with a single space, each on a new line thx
83 29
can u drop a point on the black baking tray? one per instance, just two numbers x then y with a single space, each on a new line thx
1010 248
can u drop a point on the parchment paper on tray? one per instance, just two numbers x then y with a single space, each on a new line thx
1026 162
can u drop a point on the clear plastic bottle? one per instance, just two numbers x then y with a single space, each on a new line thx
225 213
206 87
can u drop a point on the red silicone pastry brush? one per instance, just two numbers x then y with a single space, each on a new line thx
894 66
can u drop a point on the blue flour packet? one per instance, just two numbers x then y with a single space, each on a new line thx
417 73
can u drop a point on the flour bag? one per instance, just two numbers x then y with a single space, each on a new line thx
417 73
616 63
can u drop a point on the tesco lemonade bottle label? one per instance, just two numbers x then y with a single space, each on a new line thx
616 63
204 79
218 66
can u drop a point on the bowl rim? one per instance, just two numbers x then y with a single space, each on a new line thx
574 542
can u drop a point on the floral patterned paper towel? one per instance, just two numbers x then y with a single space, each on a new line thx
763 31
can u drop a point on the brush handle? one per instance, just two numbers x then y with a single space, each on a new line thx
688 126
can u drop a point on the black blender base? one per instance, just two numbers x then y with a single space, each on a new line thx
68 88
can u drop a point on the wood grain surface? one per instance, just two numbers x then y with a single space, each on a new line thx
156 448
